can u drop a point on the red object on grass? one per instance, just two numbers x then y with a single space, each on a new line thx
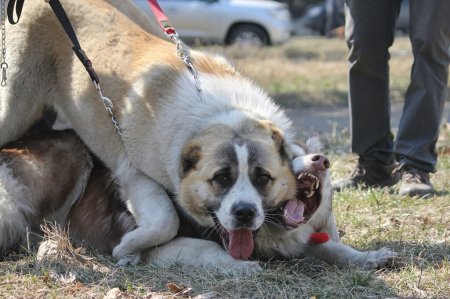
319 238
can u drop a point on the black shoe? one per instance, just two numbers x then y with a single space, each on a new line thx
370 172
414 182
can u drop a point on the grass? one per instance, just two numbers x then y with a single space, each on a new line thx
307 71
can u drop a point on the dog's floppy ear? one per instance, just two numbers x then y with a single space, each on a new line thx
189 157
278 139
280 143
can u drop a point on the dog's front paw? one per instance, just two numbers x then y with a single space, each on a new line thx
129 260
124 257
378 259
240 268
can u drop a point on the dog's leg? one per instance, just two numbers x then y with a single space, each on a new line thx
343 255
17 113
189 252
297 243
156 218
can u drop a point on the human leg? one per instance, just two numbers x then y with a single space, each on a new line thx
422 114
370 29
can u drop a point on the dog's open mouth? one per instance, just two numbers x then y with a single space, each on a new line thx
239 242
298 210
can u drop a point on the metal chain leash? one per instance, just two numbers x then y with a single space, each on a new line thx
184 53
109 107
3 65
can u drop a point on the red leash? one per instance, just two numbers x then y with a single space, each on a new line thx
162 19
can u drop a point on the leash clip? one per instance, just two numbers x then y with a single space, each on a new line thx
4 67
107 103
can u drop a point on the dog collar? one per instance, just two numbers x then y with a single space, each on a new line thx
319 238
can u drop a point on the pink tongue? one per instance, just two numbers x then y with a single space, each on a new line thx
241 243
293 212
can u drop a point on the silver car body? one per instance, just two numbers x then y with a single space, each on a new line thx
214 20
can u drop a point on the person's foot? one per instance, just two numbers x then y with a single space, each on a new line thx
414 182
370 172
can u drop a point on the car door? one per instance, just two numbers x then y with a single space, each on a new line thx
194 19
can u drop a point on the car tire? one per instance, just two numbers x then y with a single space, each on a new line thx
248 35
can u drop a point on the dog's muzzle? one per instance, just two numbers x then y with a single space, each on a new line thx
239 240
299 210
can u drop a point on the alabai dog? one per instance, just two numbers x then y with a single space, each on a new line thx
300 227
51 176
226 157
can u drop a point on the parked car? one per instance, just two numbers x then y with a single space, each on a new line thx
254 22
323 16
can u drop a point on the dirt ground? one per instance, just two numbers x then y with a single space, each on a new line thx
324 120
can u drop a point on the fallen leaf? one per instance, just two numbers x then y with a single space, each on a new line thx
178 289
112 294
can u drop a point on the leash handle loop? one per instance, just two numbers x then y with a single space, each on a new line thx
18 5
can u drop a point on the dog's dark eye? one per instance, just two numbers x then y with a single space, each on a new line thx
222 178
263 179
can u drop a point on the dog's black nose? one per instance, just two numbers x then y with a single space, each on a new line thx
243 212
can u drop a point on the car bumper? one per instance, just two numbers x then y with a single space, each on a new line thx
280 32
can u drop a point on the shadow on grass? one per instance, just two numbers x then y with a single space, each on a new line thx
415 254
300 278
309 99
394 191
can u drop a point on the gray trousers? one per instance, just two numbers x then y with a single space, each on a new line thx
370 27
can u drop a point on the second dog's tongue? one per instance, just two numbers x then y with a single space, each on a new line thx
241 243
293 212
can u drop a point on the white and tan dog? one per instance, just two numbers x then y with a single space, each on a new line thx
227 160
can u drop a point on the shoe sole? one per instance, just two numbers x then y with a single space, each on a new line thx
419 193
381 184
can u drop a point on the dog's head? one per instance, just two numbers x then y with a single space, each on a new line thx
288 226
231 177
313 185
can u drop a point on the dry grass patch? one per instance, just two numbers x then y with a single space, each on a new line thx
313 70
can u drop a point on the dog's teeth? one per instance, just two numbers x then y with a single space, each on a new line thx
311 193
317 185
